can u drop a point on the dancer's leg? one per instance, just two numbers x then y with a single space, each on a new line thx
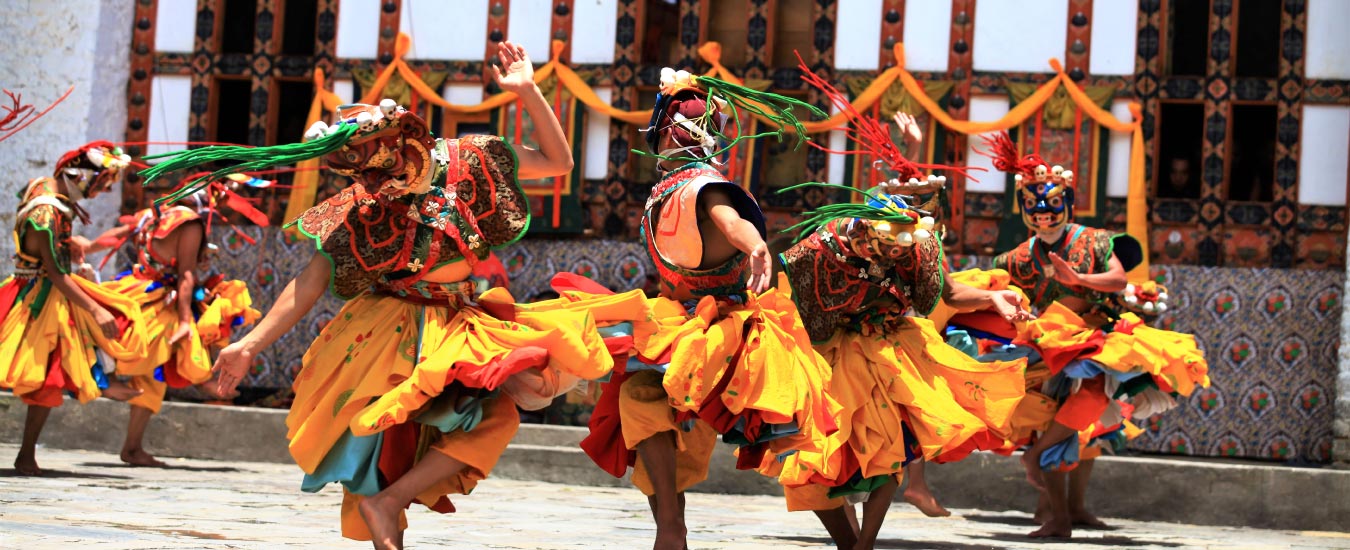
658 457
841 524
26 462
874 514
133 452
1058 524
1078 485
381 512
919 495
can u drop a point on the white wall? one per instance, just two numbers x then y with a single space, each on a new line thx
528 26
358 32
1322 154
857 35
175 25
463 94
595 148
48 47
1113 37
1020 35
593 29
1328 45
446 30
344 89
984 109
835 164
170 97
1118 153
928 35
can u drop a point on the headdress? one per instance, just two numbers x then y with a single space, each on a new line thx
1147 298
922 190
95 166
1045 194
386 147
19 115
696 110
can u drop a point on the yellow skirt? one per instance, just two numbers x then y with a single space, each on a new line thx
382 360
49 342
909 375
185 364
227 307
728 360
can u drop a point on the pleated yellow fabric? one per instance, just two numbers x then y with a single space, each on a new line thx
229 300
372 367
32 333
908 374
191 360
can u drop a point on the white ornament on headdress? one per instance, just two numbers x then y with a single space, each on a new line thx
922 235
316 130
1148 306
1161 307
905 239
388 106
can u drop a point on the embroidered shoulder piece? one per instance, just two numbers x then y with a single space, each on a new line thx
43 210
475 204
1087 249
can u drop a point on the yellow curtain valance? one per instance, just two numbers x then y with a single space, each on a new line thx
1055 91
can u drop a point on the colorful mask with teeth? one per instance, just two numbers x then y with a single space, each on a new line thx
390 153
1044 194
94 167
1046 197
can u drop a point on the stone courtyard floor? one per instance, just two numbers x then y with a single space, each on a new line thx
90 501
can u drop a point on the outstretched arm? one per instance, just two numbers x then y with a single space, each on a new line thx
295 301
742 234
554 156
1111 281
1006 303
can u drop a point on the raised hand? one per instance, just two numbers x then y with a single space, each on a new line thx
1064 273
909 127
515 72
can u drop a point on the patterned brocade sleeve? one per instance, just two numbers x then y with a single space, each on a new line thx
920 275
350 235
1103 246
488 184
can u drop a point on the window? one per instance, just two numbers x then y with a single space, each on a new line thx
1251 154
727 26
792 32
1258 39
1181 129
661 34
1187 37
293 102
298 27
231 113
236 32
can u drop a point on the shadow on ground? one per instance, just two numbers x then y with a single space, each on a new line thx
894 544
61 474
179 467
1113 541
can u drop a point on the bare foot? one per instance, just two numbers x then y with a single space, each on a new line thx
864 544
672 538
1082 518
1055 528
381 517
27 465
925 502
138 457
1034 475
121 392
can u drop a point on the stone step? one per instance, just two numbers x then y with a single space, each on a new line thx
1193 491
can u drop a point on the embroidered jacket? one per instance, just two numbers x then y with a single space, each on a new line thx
1087 249
377 242
836 287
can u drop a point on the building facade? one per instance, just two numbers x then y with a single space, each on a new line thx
1246 124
